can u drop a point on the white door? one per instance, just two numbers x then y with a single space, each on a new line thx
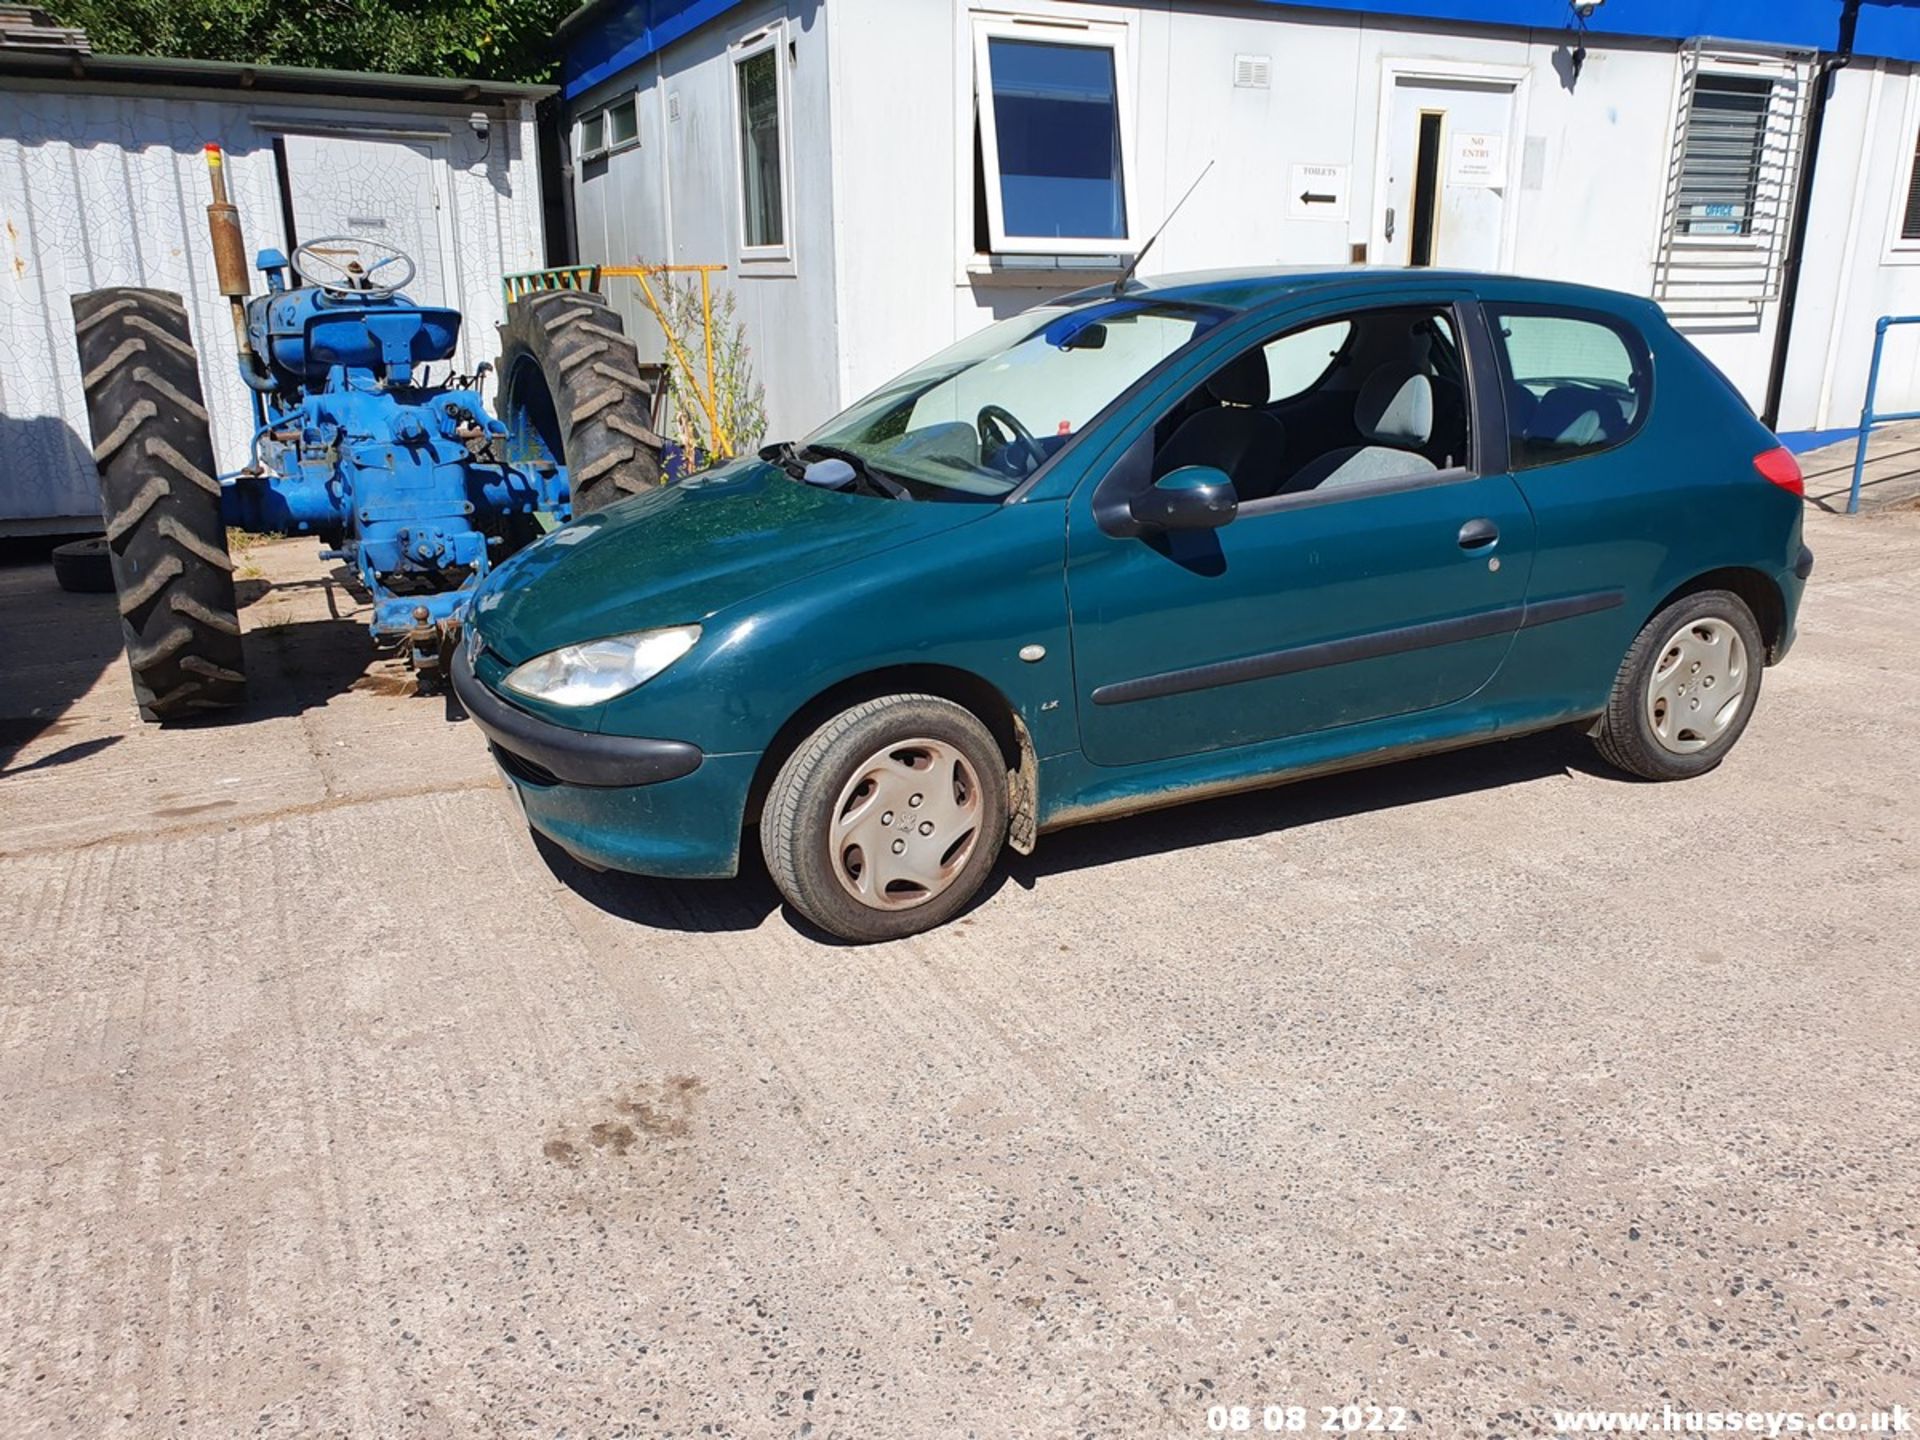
1445 199
376 188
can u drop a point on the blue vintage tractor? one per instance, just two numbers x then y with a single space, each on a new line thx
407 477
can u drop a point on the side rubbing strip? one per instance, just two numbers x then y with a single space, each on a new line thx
1373 646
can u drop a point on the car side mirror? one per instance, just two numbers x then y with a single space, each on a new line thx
1194 497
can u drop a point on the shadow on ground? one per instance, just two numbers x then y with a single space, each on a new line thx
54 646
745 902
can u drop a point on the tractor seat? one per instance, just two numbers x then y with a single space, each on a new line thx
1395 411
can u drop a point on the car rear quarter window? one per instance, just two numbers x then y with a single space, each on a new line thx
1577 382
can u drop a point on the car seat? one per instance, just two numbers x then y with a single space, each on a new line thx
1394 410
1234 434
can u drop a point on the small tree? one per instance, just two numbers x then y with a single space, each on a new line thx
738 412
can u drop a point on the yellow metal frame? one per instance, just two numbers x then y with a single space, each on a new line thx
588 277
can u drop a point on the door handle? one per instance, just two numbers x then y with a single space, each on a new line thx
1478 534
1389 222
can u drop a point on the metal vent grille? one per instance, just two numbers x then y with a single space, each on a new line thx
1252 72
1738 140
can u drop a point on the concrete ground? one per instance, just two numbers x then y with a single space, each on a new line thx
330 1104
1889 480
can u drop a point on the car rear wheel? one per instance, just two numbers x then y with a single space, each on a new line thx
888 819
1686 690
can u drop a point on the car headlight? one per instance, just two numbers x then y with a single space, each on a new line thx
601 669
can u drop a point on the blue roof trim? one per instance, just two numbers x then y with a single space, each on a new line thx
1889 28
622 36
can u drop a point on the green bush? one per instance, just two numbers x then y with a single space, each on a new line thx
474 39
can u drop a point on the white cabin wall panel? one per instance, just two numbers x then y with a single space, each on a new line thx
901 140
1856 248
676 199
1591 212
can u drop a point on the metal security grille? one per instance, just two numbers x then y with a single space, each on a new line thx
1739 134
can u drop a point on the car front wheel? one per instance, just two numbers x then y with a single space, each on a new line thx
1686 690
888 819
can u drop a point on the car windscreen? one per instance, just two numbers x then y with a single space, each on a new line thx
977 419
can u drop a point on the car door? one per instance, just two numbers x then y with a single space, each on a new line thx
1313 608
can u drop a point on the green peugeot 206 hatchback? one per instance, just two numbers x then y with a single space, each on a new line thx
1203 534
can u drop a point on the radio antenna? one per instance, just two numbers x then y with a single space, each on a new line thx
1120 285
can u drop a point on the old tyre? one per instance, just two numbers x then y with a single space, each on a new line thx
84 567
166 542
887 820
571 393
1686 690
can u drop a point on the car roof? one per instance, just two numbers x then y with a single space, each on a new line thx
1249 289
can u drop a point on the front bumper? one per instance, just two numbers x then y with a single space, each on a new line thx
617 802
572 757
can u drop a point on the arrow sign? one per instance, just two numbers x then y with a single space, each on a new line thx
1318 192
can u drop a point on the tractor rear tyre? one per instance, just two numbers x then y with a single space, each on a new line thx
82 567
570 377
166 542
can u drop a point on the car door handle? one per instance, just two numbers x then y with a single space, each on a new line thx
1478 534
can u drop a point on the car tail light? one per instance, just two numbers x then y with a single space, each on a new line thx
1779 466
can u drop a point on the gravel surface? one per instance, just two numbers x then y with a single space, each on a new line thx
1486 1085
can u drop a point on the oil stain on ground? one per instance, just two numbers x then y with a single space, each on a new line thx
648 1111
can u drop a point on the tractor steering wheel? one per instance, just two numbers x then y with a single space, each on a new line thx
345 265
1011 433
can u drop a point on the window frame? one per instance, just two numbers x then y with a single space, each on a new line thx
631 102
777 258
1898 249
604 114
1639 353
582 151
1486 411
1111 36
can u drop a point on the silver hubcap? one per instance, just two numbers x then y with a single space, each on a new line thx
1698 685
906 824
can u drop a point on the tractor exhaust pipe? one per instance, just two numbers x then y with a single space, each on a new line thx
229 248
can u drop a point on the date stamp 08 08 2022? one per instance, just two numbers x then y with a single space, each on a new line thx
1284 1419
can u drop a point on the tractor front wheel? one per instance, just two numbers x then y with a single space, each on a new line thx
166 542
571 393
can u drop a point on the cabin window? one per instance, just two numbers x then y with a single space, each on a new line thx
1052 109
1725 150
760 121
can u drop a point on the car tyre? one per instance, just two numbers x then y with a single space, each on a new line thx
888 819
1686 690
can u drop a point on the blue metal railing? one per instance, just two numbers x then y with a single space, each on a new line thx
1868 418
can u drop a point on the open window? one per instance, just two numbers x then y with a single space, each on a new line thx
761 127
1054 122
1364 399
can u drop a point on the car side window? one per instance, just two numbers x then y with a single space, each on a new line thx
1372 396
1300 360
1575 384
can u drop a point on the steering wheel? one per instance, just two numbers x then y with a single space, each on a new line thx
1008 425
346 265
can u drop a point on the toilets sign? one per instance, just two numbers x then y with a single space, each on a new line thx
1318 192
